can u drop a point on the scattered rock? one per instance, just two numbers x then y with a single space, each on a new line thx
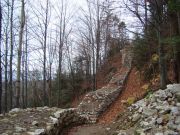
136 117
108 129
178 96
20 129
175 110
159 134
159 114
149 112
122 132
35 123
159 121
39 131
15 110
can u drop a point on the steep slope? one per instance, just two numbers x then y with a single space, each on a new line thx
133 89
157 114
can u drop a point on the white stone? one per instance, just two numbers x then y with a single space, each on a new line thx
136 117
122 132
177 120
57 114
15 110
108 129
178 127
174 110
161 94
20 129
34 123
54 120
178 104
16 134
171 125
39 131
30 133
159 121
45 107
4 134
144 123
170 132
159 134
140 110
149 112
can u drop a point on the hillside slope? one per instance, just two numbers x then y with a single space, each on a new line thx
132 90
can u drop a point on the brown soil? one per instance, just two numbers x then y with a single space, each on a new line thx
133 89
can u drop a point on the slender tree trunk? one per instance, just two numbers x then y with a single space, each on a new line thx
18 85
11 55
50 85
23 78
26 67
59 77
146 28
162 62
6 61
44 64
0 59
6 73
93 47
61 40
178 50
98 32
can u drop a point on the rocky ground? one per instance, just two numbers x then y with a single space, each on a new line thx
156 114
38 121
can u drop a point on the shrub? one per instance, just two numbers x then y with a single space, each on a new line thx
131 100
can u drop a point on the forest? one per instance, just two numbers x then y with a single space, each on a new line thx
51 51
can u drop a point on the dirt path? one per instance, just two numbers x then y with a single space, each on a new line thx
132 89
95 129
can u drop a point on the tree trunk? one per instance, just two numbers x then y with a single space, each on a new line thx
59 77
11 55
6 61
26 68
23 78
45 45
0 59
178 50
162 62
50 85
18 81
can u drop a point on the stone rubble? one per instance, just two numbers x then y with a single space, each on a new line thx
39 121
157 114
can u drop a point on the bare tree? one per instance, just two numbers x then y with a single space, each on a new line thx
44 50
26 65
6 58
18 81
0 58
11 54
